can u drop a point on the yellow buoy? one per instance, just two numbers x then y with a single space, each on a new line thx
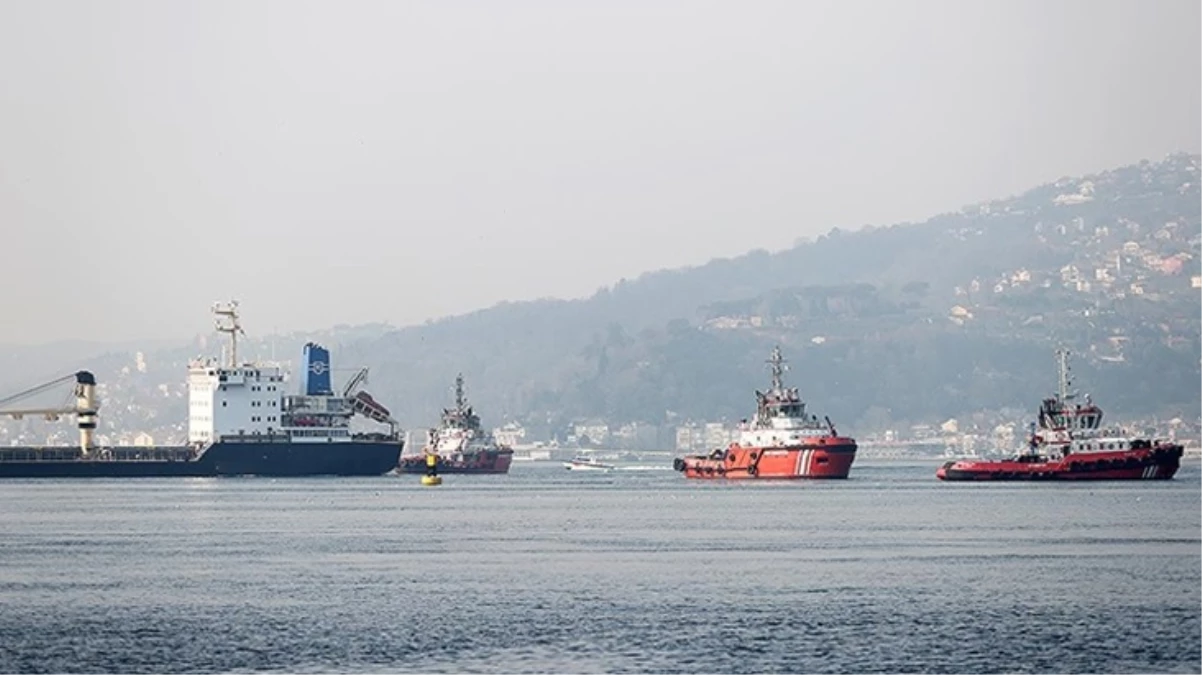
431 477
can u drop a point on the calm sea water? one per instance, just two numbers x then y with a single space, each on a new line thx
637 570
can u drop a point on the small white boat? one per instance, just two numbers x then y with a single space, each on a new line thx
587 464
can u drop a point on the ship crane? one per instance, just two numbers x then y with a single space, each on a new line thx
358 379
81 402
363 404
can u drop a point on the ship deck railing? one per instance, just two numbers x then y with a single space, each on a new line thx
375 437
255 438
285 438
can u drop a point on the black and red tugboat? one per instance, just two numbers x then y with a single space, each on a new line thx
1069 443
460 443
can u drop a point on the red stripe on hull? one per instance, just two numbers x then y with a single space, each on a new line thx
1159 463
828 457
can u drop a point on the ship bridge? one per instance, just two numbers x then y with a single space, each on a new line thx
1061 412
781 408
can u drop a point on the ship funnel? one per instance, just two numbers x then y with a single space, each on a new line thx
315 379
85 409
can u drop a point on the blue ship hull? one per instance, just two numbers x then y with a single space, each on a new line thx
224 458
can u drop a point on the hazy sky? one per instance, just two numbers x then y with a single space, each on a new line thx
396 161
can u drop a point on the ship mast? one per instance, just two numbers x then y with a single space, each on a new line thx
1065 382
777 363
460 400
229 311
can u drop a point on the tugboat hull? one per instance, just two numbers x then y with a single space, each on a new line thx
485 461
830 459
1158 463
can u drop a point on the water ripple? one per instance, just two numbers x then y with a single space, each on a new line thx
645 572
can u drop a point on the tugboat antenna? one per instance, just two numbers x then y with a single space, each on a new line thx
777 363
1062 370
229 310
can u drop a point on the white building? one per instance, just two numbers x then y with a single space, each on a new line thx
510 434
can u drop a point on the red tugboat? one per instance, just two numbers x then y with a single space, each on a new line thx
461 444
1068 443
781 441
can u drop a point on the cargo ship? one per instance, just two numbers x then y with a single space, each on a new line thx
241 422
782 440
1068 443
461 444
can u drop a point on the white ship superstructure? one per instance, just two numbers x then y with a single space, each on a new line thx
780 418
460 432
246 401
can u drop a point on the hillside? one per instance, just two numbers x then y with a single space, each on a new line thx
1024 270
951 317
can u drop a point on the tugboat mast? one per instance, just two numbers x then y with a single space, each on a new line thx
1065 382
460 399
229 310
777 363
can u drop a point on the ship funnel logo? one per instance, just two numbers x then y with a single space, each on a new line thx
317 371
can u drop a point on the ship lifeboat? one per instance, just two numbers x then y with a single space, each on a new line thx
826 457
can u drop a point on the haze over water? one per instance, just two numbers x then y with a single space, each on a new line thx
545 570
462 155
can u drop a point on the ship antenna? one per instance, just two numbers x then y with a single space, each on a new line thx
1062 371
777 363
230 311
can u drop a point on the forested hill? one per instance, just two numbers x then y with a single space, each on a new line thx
913 322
